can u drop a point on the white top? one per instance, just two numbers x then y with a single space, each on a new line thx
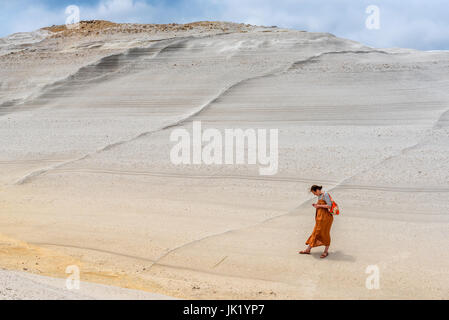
325 196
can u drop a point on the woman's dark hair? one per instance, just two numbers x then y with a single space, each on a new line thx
315 188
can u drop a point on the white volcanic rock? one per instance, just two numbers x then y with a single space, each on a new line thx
85 125
21 40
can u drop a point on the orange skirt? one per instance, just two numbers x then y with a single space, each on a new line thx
321 233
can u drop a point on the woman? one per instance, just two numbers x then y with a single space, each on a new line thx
323 222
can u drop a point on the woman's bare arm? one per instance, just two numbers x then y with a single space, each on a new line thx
316 205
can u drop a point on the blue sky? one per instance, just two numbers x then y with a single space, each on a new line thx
419 24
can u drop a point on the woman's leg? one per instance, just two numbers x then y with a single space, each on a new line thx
307 250
325 253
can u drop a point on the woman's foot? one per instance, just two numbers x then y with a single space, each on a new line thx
304 252
324 255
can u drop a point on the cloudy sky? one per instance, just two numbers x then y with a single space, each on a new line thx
419 24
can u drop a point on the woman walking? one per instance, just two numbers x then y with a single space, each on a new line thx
323 222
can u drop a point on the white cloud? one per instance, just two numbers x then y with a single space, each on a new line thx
29 18
119 11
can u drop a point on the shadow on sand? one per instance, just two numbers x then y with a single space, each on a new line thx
334 255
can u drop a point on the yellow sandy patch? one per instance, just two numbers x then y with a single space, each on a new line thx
22 256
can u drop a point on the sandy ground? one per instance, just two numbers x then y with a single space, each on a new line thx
86 178
26 286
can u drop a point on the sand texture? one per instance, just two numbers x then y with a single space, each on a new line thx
16 285
86 176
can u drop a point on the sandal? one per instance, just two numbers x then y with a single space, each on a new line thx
324 255
304 252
